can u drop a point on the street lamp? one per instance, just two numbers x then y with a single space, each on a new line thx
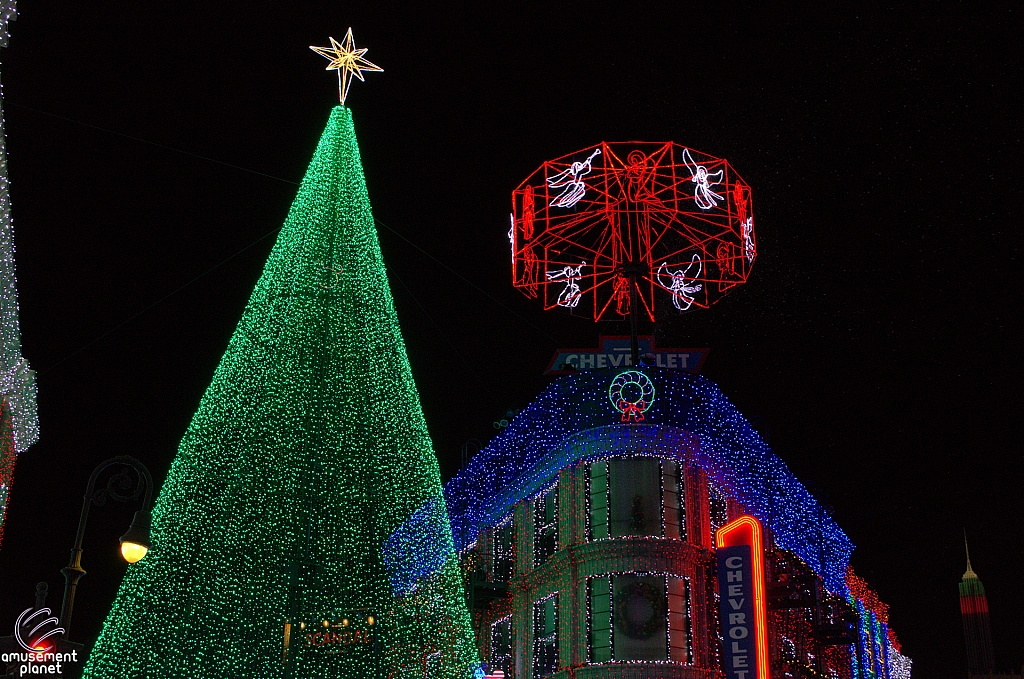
123 487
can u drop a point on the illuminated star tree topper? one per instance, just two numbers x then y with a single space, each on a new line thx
347 61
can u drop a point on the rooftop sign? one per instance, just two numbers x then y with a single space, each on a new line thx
614 352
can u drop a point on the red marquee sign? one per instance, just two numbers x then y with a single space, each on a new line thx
740 548
337 637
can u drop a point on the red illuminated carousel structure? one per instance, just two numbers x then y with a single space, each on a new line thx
611 228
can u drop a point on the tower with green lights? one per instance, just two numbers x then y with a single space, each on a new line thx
19 422
301 530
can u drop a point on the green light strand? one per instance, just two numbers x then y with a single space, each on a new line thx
308 450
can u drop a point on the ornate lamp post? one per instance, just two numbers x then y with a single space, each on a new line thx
123 486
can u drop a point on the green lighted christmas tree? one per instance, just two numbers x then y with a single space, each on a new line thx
305 495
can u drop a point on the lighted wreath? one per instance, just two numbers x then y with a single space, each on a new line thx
639 610
632 394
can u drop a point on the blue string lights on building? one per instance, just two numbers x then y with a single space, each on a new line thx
518 463
586 532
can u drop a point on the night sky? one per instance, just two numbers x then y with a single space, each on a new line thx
154 150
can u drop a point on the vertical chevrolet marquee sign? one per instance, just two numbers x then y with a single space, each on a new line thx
742 609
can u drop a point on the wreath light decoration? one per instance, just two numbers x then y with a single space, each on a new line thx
641 598
632 394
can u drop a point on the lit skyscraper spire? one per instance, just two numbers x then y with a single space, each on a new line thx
974 611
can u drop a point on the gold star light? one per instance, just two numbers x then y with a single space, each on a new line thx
347 61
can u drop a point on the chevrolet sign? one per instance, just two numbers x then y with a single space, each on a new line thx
614 352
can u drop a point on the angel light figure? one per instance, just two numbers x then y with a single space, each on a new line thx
621 294
740 194
530 261
570 179
530 266
528 213
639 174
570 296
748 240
680 283
699 175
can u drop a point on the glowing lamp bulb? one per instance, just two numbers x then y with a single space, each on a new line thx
133 552
327 623
135 543
369 620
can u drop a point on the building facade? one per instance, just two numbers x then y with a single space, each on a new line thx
586 532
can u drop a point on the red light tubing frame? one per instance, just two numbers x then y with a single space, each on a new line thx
672 218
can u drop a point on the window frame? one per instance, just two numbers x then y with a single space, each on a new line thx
684 646
550 491
553 639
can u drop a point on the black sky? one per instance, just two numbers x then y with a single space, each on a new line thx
876 341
